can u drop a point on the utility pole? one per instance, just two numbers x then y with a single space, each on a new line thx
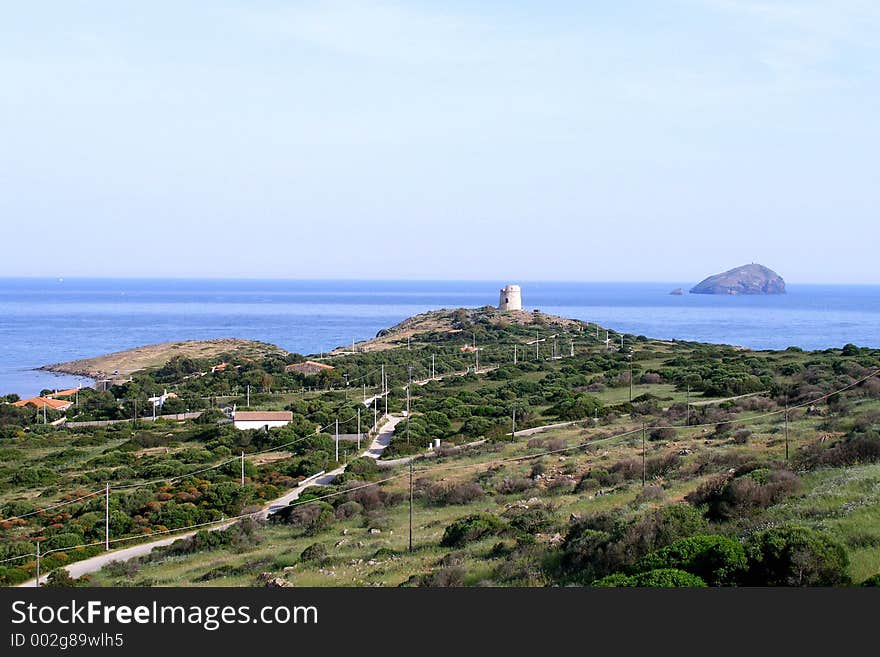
407 404
687 412
44 413
375 413
365 392
359 427
630 378
514 354
248 395
410 503
107 517
537 345
337 440
572 348
37 582
513 423
644 462
433 371
242 468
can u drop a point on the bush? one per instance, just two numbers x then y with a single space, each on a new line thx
874 580
445 493
663 433
532 520
727 499
514 485
600 545
314 552
349 509
446 577
311 517
661 578
741 436
795 556
472 528
60 578
717 560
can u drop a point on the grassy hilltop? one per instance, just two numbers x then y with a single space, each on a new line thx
631 485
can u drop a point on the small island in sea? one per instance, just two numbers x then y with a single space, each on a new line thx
747 279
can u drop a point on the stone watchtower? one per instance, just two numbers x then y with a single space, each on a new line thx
511 298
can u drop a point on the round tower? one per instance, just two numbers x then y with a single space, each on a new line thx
511 298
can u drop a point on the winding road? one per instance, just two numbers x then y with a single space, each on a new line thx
94 564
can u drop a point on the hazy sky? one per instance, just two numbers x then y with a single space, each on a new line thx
499 140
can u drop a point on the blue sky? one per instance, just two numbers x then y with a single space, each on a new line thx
491 140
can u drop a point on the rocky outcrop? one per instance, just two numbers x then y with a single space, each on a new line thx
748 279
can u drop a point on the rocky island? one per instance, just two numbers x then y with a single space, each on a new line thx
747 279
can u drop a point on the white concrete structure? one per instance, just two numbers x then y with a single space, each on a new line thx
511 298
161 399
261 419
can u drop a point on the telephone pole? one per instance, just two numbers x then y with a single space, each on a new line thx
107 517
242 468
337 440
248 395
513 423
410 503
630 378
644 462
37 582
359 427
407 404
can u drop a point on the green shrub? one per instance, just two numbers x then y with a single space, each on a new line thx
795 556
314 552
660 578
874 580
311 517
715 559
60 578
472 528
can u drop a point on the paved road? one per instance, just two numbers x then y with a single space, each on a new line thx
94 564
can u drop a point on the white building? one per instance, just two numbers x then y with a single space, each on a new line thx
159 402
261 419
510 298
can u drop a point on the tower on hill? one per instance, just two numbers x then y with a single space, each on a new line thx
511 298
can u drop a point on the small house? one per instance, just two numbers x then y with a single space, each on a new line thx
261 419
309 368
45 402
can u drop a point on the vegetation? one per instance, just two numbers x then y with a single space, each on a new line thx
754 483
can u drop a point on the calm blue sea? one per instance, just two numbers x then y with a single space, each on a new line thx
48 321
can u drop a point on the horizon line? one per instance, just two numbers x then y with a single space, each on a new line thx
61 279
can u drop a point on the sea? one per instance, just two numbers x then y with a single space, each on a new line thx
44 321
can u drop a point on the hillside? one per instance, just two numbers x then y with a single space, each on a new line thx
135 360
747 279
451 321
634 462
